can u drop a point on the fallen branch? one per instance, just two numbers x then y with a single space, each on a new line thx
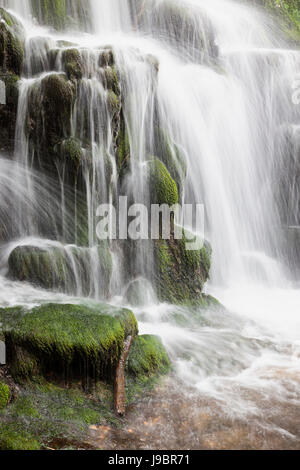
120 394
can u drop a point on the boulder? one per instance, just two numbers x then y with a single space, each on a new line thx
70 270
68 340
181 274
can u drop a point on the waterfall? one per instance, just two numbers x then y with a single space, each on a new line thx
205 88
23 8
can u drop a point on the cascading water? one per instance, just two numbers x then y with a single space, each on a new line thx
219 82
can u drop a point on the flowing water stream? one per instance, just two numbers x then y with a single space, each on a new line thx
223 92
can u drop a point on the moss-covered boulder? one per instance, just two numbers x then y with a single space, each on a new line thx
72 63
11 43
4 395
147 357
163 189
71 270
68 340
49 118
69 152
181 273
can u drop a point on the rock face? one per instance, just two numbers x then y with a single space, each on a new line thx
76 131
11 63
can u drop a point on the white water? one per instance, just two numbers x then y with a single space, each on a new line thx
229 115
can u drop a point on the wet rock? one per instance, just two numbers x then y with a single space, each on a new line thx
11 44
8 112
72 64
80 341
163 189
74 270
181 274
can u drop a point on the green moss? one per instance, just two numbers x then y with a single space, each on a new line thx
163 189
45 268
147 363
72 336
72 63
70 151
181 273
24 406
288 12
12 439
123 148
111 80
113 103
148 356
171 156
11 49
54 268
4 395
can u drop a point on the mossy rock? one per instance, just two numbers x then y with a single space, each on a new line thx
59 268
12 439
11 47
68 340
4 395
111 79
50 110
147 357
181 274
172 157
72 64
163 189
69 152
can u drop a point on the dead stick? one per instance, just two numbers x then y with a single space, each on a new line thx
120 394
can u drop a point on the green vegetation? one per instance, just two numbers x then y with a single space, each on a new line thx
55 411
289 13
181 274
53 337
11 438
163 189
170 155
53 268
72 63
11 44
147 357
4 395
